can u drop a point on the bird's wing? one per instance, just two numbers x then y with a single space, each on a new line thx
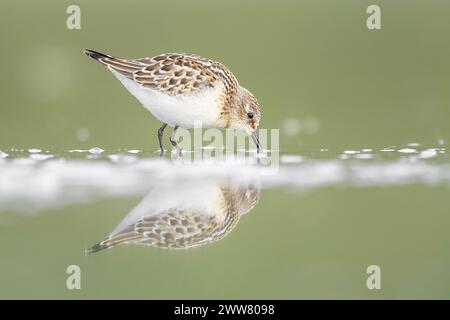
171 73
173 228
176 74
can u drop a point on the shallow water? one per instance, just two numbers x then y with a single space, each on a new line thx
306 225
362 178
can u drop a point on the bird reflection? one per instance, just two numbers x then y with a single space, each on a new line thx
184 214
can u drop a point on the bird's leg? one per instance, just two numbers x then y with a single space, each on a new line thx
172 139
160 135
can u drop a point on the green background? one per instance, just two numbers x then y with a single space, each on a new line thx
314 61
303 59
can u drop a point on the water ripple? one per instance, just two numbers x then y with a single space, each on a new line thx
32 181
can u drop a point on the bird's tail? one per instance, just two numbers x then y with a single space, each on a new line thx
96 55
129 236
96 248
105 244
123 66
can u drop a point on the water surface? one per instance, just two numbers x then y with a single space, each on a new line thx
141 226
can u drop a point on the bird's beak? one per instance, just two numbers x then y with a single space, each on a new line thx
255 137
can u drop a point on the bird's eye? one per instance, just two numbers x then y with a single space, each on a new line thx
250 115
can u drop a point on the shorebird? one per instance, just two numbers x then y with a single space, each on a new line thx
183 90
183 215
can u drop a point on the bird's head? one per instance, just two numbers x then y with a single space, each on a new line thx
246 114
247 196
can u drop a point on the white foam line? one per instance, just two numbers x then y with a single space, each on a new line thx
407 150
27 183
96 150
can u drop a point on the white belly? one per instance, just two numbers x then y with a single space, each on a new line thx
202 197
186 111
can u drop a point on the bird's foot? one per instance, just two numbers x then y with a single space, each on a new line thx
161 152
178 150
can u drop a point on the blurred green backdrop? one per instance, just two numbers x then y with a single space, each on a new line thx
321 77
313 61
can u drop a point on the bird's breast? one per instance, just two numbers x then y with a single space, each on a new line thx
199 108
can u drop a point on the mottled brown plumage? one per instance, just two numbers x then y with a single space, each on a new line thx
174 73
182 88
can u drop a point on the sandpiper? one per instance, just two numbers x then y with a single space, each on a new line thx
184 214
185 90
